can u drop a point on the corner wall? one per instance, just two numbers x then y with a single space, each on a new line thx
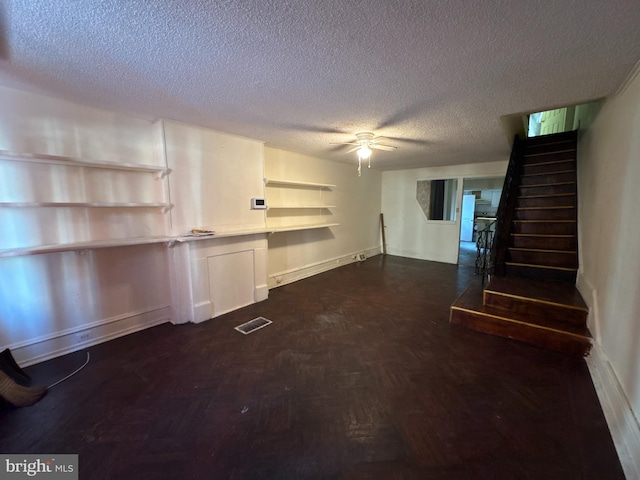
609 275
408 232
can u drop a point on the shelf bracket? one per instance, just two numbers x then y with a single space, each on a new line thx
162 173
167 208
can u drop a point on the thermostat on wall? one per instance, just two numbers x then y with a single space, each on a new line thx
258 204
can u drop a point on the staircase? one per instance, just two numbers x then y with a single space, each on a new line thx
532 296
542 240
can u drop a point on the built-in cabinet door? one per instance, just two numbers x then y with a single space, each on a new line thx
231 281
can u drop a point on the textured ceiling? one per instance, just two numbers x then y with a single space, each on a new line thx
434 76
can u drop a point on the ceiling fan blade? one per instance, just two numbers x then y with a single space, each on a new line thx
353 149
386 148
379 140
343 143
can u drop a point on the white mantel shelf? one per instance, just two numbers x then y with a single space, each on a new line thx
169 240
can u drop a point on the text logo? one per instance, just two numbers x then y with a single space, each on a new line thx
50 467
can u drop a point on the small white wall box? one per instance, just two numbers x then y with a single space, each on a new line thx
258 204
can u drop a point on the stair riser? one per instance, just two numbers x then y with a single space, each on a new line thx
537 273
546 214
547 189
553 138
571 316
548 178
551 259
532 158
547 243
558 166
555 201
544 228
530 334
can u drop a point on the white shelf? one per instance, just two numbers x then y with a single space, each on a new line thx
85 204
78 162
229 233
125 242
271 181
68 247
300 206
294 228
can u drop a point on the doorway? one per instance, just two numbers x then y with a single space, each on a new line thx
480 200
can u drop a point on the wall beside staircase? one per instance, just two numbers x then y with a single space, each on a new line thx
408 232
609 236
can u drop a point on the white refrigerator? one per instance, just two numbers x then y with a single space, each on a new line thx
468 209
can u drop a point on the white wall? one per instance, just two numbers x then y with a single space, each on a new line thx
609 235
296 255
54 303
408 232
214 176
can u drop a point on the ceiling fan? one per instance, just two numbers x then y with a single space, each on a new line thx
364 144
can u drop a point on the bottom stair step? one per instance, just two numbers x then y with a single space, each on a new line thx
469 311
554 301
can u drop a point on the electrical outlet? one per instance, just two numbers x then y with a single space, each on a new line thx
83 336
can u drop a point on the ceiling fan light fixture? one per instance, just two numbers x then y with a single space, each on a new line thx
364 152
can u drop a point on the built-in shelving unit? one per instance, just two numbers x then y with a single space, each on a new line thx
61 203
297 205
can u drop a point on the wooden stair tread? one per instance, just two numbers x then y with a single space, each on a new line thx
471 301
552 152
544 235
541 250
549 195
552 207
556 293
547 184
548 173
544 221
536 265
550 162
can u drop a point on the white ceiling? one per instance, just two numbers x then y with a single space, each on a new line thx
435 76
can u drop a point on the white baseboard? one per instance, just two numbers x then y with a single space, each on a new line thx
202 311
261 293
305 271
78 338
623 424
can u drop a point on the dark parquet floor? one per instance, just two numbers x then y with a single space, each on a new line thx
360 376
